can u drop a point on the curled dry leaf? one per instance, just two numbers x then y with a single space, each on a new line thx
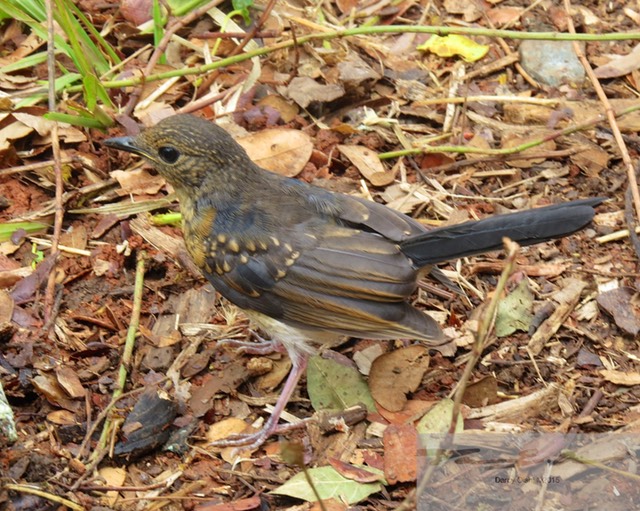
620 66
368 164
283 151
354 473
47 386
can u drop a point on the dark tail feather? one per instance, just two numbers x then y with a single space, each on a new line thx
526 227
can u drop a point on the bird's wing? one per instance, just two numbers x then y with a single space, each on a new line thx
374 217
337 279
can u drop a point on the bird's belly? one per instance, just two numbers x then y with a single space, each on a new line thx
296 341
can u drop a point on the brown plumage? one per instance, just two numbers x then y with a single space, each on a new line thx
308 265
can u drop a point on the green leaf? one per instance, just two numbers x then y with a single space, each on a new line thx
158 27
75 120
438 419
167 219
7 229
335 386
514 311
330 484
435 424
242 7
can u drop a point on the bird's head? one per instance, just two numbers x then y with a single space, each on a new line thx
188 152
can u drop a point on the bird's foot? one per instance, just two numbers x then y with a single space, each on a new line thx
259 347
252 441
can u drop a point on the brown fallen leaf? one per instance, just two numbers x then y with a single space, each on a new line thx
113 477
620 65
368 164
413 410
620 377
481 393
235 505
279 150
619 304
137 182
69 381
400 453
395 374
47 386
304 91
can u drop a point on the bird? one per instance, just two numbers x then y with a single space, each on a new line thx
310 266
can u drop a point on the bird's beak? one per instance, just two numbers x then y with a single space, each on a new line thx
125 144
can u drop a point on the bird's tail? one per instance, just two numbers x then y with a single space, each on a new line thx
526 227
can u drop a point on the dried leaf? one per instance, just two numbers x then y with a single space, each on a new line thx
510 140
481 393
354 473
400 453
283 151
112 476
397 373
618 303
287 110
304 91
620 377
620 66
70 382
6 307
138 182
368 164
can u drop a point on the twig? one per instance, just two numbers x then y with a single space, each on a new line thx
22 488
50 293
356 31
127 353
33 166
249 36
510 150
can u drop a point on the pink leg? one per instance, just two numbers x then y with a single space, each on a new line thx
254 440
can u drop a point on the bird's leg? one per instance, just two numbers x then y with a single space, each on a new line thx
261 347
254 440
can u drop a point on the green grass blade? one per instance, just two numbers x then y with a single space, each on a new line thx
75 120
7 229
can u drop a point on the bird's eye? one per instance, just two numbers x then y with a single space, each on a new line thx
168 154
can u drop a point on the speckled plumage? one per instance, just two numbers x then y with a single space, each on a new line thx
310 265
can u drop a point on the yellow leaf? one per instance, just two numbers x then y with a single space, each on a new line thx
451 45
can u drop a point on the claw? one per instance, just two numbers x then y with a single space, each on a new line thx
254 440
261 347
